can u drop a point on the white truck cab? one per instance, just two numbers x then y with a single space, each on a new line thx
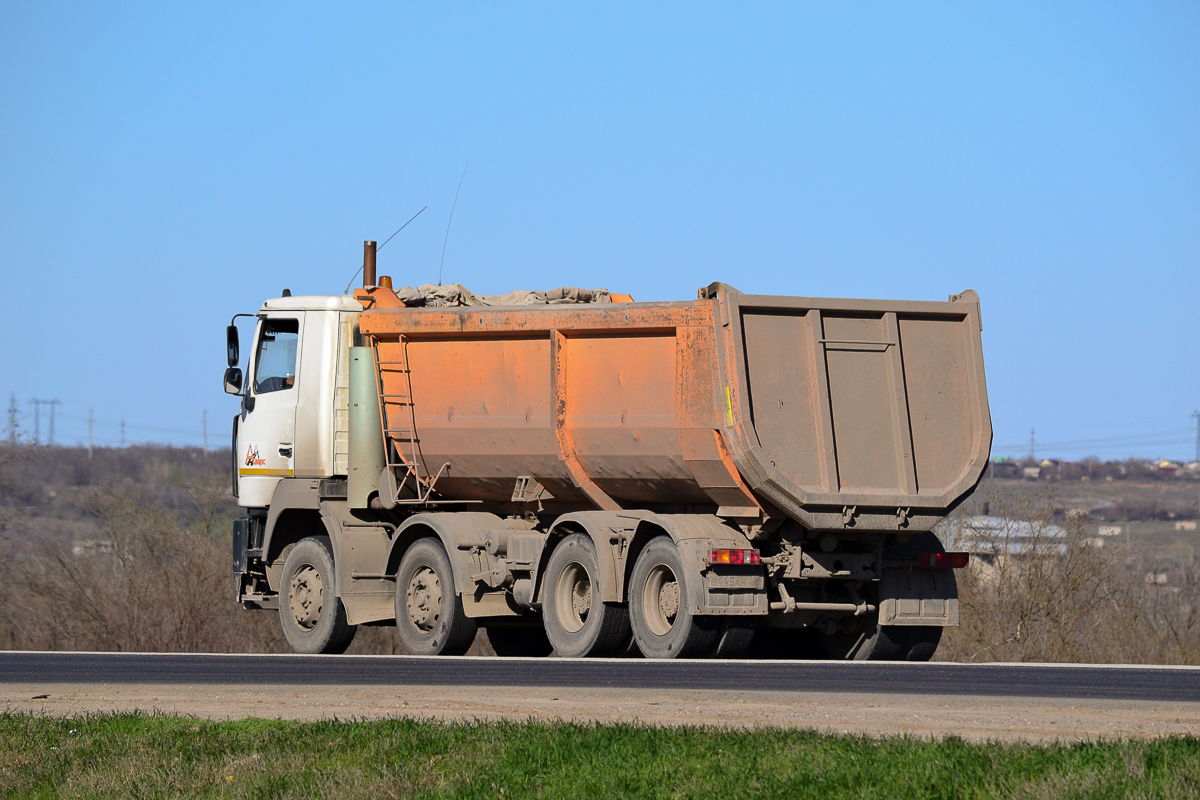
293 420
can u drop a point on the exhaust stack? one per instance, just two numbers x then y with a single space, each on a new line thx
368 265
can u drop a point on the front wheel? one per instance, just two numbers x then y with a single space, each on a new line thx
664 625
430 619
312 617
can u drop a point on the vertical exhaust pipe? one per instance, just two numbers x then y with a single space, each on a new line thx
368 265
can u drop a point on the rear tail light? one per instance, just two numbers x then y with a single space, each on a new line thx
734 557
945 560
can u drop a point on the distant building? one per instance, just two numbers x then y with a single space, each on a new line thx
989 538
93 547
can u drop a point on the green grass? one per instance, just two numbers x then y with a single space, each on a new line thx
131 755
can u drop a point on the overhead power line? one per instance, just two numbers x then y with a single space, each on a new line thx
1177 436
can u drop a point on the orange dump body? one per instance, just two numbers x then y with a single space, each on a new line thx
836 413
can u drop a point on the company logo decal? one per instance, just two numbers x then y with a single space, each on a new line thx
253 459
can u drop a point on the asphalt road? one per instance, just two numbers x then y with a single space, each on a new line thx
1174 684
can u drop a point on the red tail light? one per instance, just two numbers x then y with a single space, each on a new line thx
945 560
751 557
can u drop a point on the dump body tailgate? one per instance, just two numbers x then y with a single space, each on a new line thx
855 413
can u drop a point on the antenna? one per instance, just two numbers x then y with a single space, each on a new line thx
452 207
393 236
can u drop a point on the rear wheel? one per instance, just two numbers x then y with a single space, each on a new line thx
429 613
663 624
577 622
312 617
864 639
874 642
923 642
522 641
735 636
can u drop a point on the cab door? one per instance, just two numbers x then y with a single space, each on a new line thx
266 435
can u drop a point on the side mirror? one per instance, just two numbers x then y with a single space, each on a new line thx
232 352
233 379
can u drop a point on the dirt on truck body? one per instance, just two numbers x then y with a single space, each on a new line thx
736 474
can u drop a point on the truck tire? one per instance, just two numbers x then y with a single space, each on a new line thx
577 623
922 642
663 625
430 619
510 641
884 643
312 616
735 636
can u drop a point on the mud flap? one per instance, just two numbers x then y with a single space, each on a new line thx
918 597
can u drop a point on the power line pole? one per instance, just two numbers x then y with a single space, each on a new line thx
90 433
12 418
52 404
1031 447
205 418
122 433
1196 416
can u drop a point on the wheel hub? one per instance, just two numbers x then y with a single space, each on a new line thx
305 598
424 599
581 599
660 600
574 597
668 601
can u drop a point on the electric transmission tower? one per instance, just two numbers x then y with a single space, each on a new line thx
12 419
53 404
37 421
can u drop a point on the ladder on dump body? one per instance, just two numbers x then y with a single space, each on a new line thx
400 427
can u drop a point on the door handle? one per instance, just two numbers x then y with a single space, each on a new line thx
285 450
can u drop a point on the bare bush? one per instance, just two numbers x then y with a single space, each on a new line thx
1039 590
149 580
1173 613
151 574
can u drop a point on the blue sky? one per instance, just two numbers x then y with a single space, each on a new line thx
163 166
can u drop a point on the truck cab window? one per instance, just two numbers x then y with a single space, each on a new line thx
275 364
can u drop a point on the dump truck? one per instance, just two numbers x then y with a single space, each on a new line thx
729 476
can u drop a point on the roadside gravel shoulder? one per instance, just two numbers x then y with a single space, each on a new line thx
971 718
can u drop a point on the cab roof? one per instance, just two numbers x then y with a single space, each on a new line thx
312 302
